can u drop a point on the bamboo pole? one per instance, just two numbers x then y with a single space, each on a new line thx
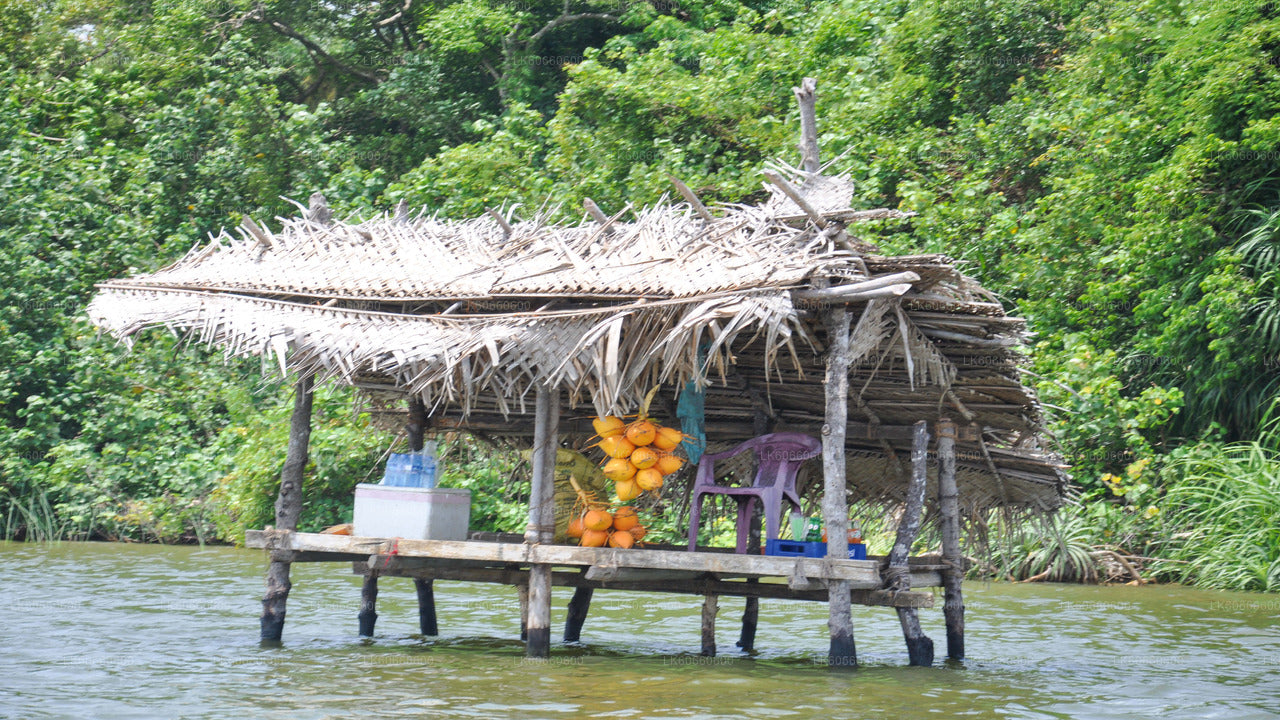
288 510
425 589
542 519
898 576
710 606
949 511
835 508
368 603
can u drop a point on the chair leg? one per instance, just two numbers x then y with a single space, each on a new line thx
772 517
746 508
695 515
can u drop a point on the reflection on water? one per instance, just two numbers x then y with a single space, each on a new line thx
138 631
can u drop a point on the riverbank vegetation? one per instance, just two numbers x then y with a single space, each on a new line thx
1112 169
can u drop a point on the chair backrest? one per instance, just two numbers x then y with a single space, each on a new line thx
779 456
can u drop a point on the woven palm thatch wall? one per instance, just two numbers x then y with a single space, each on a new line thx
472 316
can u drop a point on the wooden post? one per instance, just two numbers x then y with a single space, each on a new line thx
522 593
368 603
416 429
949 512
751 609
897 575
541 526
288 510
807 96
710 606
835 508
578 608
426 606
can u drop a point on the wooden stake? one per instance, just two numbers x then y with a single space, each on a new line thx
949 511
807 96
502 222
898 576
542 519
426 606
835 507
797 197
578 608
692 199
710 606
368 604
288 510
522 594
598 215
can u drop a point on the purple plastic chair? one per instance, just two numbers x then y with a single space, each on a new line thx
779 456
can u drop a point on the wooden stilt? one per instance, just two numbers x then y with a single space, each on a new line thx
897 576
416 430
806 95
835 508
578 607
288 510
426 606
542 519
522 592
368 604
710 606
949 512
760 425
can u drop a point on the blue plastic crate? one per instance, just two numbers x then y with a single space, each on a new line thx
794 548
797 548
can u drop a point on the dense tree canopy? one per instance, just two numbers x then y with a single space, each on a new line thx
1112 169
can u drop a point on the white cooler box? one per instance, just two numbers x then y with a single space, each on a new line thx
413 513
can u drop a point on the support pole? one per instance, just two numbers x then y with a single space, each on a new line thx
898 574
288 510
760 425
522 593
807 96
949 511
416 429
710 606
578 607
426 606
541 526
835 506
368 604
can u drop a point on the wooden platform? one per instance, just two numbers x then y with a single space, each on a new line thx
642 570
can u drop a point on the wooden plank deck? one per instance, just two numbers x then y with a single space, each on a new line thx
641 570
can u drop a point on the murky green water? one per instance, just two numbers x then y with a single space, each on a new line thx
128 631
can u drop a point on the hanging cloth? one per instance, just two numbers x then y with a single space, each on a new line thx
692 411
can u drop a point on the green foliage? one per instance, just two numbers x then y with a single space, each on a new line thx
497 479
344 450
1220 528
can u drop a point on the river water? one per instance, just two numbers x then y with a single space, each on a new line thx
107 631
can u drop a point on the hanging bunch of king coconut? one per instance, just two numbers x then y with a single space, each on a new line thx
638 454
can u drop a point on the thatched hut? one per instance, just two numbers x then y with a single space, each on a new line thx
779 313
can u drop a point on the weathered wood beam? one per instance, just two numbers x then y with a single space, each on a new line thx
288 509
807 97
724 588
541 518
835 509
368 616
843 293
861 574
949 511
898 576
